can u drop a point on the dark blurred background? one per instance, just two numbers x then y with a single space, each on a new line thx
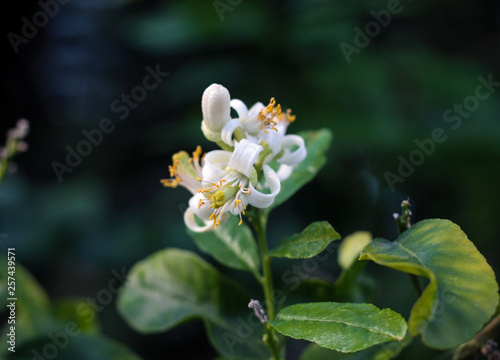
111 211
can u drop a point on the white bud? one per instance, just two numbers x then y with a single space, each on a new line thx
215 105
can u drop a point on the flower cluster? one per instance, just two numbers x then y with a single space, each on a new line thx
226 181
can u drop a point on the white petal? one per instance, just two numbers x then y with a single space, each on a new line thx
190 221
255 109
203 212
240 108
244 156
295 157
228 130
284 172
273 139
261 200
216 162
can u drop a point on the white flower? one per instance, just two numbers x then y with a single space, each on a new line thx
225 182
267 125
215 106
230 182
185 171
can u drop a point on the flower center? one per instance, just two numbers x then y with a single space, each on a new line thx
222 195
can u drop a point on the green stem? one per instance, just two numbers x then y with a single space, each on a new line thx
403 223
259 222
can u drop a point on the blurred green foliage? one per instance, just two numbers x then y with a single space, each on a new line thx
112 211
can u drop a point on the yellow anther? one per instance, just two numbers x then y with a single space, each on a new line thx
198 178
197 153
171 182
241 222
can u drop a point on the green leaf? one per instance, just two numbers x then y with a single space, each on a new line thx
73 346
317 142
462 293
36 317
386 351
31 307
340 326
310 242
30 294
69 315
173 286
231 245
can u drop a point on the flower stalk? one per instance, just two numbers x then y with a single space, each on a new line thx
259 222
403 223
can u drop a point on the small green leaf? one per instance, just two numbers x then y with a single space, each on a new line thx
340 326
72 346
462 294
317 142
231 245
310 242
173 286
386 351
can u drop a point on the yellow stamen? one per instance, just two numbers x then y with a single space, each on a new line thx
171 182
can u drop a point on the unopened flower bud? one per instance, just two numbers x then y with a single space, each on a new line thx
215 105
